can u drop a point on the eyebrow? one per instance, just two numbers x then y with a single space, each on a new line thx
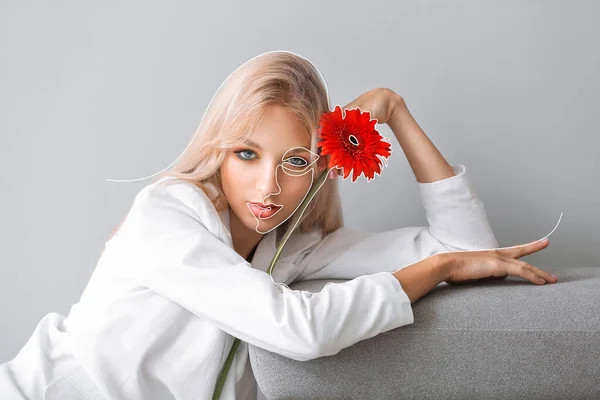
254 144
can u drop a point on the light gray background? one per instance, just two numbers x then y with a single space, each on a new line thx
112 90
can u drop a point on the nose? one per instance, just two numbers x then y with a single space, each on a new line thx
267 181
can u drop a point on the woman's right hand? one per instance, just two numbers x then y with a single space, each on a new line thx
472 266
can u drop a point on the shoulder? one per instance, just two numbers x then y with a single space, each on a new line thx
170 204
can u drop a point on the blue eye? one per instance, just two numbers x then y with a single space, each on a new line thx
237 154
302 160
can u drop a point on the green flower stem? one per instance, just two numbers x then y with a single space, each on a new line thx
313 191
225 370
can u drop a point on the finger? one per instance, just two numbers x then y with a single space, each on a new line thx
517 268
523 250
334 173
545 275
348 106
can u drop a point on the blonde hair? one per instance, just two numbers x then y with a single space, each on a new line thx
277 77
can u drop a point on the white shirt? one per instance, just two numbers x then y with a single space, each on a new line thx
169 295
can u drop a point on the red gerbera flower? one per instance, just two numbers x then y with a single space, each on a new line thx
353 142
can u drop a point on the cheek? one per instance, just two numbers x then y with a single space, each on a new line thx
230 177
232 171
296 188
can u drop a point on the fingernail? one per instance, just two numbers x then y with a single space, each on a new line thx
554 276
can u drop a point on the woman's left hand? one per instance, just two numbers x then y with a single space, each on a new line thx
380 102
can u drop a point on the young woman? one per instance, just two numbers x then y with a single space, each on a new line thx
185 273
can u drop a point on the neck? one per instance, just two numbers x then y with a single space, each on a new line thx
244 240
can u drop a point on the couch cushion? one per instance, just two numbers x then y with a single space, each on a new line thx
491 339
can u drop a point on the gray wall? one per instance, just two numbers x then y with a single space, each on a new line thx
112 90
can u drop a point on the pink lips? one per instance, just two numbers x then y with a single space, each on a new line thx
266 205
263 211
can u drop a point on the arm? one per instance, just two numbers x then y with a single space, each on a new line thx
173 246
457 221
455 214
427 163
420 278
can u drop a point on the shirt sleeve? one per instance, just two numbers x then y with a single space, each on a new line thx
456 215
173 245
457 221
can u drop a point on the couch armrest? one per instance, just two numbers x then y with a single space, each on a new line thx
491 339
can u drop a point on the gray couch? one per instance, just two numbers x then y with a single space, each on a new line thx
507 339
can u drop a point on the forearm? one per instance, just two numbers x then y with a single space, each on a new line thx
427 163
420 278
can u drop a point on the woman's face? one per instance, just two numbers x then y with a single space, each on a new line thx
277 168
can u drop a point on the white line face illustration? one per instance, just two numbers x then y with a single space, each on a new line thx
266 178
